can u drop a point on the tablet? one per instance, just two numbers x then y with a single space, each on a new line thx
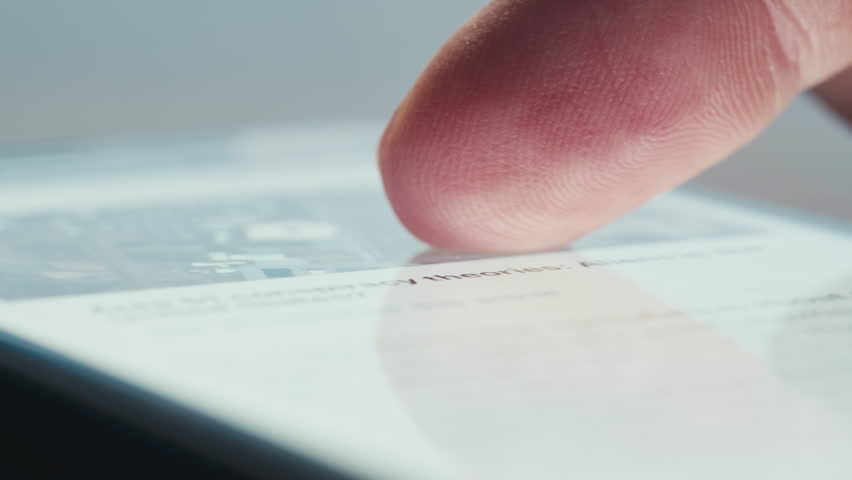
254 298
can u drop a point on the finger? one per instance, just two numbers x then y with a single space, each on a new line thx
541 120
836 92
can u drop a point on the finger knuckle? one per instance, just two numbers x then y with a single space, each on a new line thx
793 35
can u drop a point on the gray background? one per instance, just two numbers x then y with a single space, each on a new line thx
88 68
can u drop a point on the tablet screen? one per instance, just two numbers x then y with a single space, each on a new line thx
263 281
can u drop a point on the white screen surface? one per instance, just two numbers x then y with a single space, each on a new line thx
274 290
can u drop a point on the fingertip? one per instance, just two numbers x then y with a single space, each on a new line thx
445 195
543 120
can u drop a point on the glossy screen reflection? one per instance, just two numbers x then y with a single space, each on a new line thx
695 363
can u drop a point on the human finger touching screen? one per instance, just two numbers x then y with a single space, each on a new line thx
541 120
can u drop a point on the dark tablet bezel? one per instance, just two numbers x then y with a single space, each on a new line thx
40 386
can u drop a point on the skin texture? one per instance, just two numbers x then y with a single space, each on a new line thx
542 120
